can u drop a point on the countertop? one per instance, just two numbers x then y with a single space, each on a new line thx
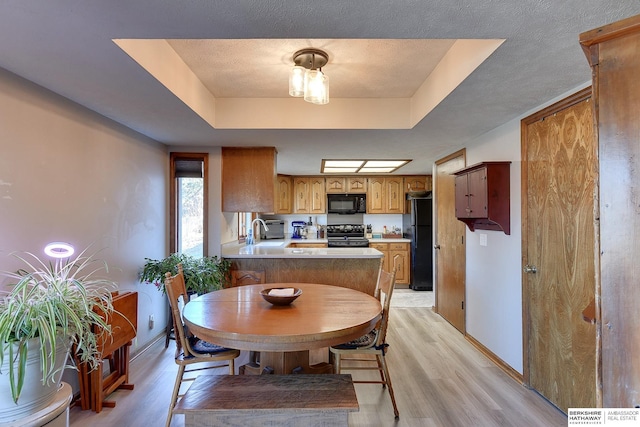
396 240
278 249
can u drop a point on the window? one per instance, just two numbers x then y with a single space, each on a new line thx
188 200
244 219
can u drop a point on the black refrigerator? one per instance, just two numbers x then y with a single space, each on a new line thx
417 225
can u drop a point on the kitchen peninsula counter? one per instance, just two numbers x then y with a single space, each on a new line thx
354 268
279 249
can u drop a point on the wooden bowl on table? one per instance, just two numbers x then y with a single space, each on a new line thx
280 296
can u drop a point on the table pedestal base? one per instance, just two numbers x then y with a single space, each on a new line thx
289 362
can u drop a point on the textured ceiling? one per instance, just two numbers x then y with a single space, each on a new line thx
67 47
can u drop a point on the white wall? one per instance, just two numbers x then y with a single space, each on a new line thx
67 174
493 280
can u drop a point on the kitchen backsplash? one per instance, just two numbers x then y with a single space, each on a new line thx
377 221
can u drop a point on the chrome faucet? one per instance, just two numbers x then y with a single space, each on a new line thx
250 238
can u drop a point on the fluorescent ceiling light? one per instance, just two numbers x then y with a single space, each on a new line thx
343 163
339 170
361 166
384 163
376 170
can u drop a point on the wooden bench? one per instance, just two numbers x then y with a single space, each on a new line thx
291 400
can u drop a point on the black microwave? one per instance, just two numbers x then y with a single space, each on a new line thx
346 204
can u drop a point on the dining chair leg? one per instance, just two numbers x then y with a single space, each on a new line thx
390 388
381 371
232 368
174 395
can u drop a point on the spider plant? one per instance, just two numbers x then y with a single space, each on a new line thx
64 301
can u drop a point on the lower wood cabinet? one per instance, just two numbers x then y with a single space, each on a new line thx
390 250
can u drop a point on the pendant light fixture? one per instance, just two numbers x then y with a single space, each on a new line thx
306 78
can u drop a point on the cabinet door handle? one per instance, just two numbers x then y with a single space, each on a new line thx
436 246
530 269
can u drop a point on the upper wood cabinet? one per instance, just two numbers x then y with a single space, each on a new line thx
385 195
248 178
309 195
284 194
375 195
346 184
394 194
482 196
417 183
356 184
336 184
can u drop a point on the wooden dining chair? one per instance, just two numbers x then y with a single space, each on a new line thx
374 343
189 349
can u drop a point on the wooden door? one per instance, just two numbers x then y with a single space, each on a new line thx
302 191
477 186
415 183
395 195
336 184
450 239
356 184
384 248
318 196
284 192
558 250
402 263
375 196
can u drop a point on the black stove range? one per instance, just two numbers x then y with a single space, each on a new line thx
346 236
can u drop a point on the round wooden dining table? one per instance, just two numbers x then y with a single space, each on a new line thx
320 317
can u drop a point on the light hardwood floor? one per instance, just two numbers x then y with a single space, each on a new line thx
438 377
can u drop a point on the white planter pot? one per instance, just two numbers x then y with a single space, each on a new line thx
35 396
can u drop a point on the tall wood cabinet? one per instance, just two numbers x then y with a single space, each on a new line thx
612 52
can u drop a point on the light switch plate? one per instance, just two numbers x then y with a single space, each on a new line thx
483 239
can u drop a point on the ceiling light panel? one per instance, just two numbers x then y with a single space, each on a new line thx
384 163
343 163
376 170
340 170
361 166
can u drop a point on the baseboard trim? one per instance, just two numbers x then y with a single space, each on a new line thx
141 350
517 376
